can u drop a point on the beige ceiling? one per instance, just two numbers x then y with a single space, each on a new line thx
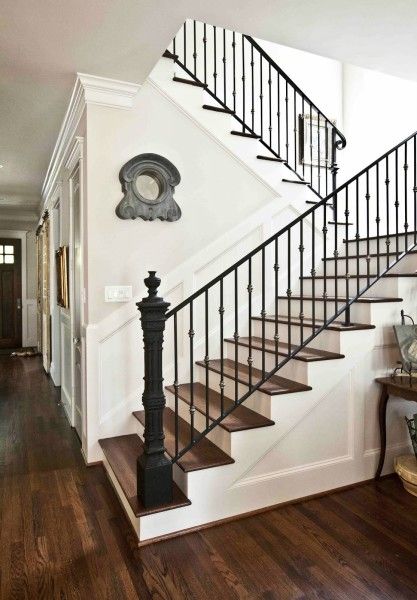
43 43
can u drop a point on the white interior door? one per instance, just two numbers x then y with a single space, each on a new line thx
77 303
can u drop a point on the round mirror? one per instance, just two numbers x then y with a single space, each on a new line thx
148 187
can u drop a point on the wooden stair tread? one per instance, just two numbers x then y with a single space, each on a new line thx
273 386
240 419
298 181
189 81
308 322
339 223
307 354
365 299
203 455
220 109
360 276
245 134
271 158
168 54
328 204
122 453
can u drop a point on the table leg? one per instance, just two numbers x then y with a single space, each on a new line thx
382 409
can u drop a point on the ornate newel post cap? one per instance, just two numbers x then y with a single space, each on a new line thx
152 282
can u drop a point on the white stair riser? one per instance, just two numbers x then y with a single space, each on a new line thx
359 311
408 264
218 435
326 340
293 369
384 287
373 244
259 401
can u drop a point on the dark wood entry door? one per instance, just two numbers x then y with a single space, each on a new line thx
10 293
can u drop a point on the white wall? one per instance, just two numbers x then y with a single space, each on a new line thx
215 193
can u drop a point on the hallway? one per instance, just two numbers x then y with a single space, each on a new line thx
64 535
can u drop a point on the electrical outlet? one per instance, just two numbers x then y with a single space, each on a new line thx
117 293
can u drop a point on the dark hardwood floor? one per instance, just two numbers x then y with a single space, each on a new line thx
64 535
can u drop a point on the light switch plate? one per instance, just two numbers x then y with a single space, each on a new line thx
117 293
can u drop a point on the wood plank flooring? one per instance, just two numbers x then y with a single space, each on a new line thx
63 534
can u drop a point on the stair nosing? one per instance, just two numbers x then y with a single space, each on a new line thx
364 299
283 319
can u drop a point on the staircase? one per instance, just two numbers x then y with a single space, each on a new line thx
287 320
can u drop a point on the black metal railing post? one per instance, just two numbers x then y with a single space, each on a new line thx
334 169
154 469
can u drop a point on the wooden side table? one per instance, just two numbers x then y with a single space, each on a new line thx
398 386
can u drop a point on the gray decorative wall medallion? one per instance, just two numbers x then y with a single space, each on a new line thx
148 183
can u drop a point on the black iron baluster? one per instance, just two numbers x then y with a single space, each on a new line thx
234 70
176 381
278 116
347 274
357 237
174 48
263 312
377 219
368 258
301 251
318 156
270 104
302 126
289 292
250 290
326 158
261 98
335 252
236 336
192 407
313 269
276 271
311 145
325 261
195 48
215 59
222 384
252 110
387 182
415 187
205 52
243 86
405 198
224 67
396 203
286 121
295 130
206 357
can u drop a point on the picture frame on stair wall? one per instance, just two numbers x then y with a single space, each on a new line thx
315 143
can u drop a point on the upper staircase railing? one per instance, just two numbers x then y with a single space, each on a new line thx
288 276
247 83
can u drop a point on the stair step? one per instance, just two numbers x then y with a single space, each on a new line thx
168 54
240 419
318 323
314 202
372 255
306 354
122 453
203 455
189 81
361 276
246 134
271 158
219 109
339 223
274 386
382 236
297 181
364 299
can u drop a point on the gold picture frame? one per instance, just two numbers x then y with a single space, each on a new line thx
62 276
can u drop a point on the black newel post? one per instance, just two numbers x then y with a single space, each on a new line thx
154 468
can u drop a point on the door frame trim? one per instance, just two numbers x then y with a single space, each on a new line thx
21 235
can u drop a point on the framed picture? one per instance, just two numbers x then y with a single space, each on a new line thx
315 141
62 276
406 336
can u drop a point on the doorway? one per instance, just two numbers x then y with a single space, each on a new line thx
10 293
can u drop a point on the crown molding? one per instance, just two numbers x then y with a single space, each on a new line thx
88 89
